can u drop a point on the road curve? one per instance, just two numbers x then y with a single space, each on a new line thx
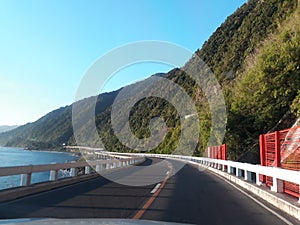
189 196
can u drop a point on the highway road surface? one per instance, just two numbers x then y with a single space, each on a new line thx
191 196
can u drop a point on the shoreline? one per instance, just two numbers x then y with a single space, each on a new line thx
66 153
41 150
54 151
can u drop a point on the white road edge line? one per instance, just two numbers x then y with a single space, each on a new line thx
257 201
155 189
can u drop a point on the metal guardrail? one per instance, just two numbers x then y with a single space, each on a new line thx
99 165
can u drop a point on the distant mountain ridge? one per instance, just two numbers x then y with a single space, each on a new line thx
5 128
255 55
52 130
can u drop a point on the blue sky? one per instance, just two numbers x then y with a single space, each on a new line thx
47 46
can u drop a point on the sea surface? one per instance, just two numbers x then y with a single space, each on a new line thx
20 157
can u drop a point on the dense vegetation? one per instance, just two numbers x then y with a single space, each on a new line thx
268 89
255 54
242 33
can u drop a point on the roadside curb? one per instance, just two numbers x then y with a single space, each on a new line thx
274 200
285 206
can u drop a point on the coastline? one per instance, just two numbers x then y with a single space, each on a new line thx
78 155
9 153
62 151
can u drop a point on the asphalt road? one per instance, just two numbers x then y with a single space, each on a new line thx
189 196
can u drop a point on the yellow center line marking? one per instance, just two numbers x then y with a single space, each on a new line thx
141 212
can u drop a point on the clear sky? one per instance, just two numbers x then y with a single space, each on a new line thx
47 46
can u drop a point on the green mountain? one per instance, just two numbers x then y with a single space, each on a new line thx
53 130
255 55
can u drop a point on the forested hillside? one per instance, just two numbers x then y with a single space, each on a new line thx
51 131
255 55
265 96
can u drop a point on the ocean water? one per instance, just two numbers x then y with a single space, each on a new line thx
18 157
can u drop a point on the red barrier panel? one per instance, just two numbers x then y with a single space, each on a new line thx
281 149
217 152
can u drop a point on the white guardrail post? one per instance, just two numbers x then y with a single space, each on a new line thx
73 172
53 174
25 179
87 170
258 183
